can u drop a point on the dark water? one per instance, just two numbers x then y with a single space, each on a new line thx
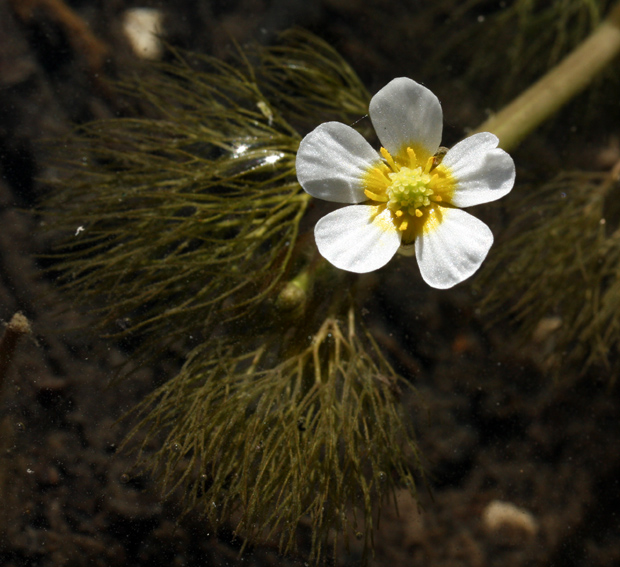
502 434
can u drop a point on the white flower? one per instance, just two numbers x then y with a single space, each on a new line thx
406 198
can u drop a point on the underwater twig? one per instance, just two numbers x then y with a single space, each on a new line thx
17 327
513 123
78 32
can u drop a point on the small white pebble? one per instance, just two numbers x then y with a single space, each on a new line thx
143 28
501 516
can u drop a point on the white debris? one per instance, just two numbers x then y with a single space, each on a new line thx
143 28
513 523
266 111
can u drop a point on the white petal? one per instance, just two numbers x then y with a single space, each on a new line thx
331 161
351 239
483 171
454 249
404 113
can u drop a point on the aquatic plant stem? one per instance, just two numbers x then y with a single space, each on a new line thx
513 123
295 293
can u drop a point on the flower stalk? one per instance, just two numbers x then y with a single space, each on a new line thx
545 97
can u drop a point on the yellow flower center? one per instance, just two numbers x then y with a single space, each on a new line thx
410 188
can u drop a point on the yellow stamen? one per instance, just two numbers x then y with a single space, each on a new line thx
409 187
413 160
375 197
386 155
429 163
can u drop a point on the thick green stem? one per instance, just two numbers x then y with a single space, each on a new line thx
513 123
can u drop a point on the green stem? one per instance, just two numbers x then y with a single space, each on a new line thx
513 123
296 292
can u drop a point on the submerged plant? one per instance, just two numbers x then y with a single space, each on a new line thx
197 208
183 230
273 439
562 264
183 227
562 260
536 34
